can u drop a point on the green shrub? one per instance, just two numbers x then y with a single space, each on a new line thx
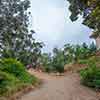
17 69
58 66
83 61
92 60
14 77
9 84
91 76
48 68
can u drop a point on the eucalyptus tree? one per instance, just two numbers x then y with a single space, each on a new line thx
69 53
46 62
58 60
16 40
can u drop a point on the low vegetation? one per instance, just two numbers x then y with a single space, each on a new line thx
14 77
90 76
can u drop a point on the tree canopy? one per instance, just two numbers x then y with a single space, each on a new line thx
16 40
89 10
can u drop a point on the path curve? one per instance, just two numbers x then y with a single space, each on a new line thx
60 88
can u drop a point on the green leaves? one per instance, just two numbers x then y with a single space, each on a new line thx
16 41
91 76
89 10
68 54
58 60
14 77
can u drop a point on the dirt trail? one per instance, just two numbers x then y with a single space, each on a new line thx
60 88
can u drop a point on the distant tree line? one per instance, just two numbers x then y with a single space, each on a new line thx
66 55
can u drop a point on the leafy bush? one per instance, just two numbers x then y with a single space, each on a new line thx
48 68
58 65
91 76
17 69
14 77
83 61
9 84
96 60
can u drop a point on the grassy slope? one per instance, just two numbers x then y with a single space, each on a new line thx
14 77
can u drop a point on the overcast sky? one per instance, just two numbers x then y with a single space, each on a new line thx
50 20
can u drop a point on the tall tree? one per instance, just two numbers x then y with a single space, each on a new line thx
58 60
16 40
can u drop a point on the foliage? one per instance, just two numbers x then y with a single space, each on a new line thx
54 62
69 54
93 47
74 53
93 59
91 76
89 10
14 77
58 60
46 62
83 61
16 40
17 69
9 84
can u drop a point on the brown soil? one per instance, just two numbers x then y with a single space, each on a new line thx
60 88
